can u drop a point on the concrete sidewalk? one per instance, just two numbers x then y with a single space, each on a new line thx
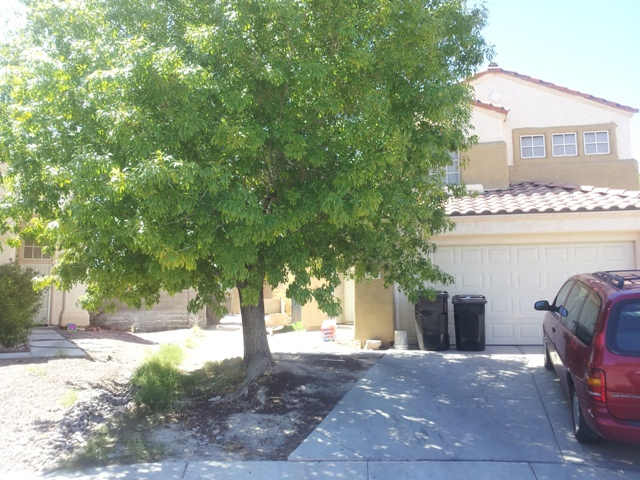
452 415
46 342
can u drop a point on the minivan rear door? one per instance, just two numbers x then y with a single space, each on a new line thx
622 364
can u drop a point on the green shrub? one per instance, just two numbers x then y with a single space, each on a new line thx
215 378
19 303
159 379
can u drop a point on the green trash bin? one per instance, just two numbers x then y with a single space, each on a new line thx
468 315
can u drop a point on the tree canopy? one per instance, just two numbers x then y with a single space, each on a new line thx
159 145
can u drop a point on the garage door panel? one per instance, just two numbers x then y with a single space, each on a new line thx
554 254
471 280
554 280
527 255
499 280
514 277
445 256
524 303
529 281
614 253
499 255
500 332
500 306
471 256
586 254
530 333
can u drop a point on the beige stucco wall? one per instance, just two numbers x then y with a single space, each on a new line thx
275 300
605 170
232 303
7 254
487 166
71 311
374 311
311 315
603 174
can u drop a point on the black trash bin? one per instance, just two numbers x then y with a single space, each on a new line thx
432 323
468 316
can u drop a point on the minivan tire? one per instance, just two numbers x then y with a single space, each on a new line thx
582 431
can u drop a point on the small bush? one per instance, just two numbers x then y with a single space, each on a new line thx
159 379
293 327
216 378
19 303
96 451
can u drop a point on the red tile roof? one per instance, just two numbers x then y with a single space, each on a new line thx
540 197
490 106
602 101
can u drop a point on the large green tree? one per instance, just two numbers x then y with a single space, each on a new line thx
165 144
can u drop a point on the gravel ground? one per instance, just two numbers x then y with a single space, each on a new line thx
39 398
50 407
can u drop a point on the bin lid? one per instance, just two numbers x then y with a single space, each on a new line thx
424 303
439 294
469 299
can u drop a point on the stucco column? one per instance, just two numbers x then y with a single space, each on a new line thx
71 311
374 311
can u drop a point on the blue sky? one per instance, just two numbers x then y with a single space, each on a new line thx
588 45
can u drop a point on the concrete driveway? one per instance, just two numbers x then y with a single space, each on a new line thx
476 414
496 414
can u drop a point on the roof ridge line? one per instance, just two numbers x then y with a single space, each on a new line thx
554 86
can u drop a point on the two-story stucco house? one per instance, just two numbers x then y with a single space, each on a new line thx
556 193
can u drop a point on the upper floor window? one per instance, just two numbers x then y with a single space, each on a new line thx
452 172
564 144
596 143
33 251
532 146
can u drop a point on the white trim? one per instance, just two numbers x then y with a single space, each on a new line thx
596 143
452 171
35 250
533 147
564 144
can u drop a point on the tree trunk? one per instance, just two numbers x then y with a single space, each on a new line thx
257 355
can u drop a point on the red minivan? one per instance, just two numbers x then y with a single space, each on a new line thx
591 337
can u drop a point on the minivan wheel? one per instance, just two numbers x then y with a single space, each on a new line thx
582 431
547 358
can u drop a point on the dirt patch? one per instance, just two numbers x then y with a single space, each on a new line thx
281 410
57 405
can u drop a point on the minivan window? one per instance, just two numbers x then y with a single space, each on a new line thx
623 331
588 318
562 294
574 304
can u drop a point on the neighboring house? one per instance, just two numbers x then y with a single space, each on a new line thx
556 193
61 308
58 308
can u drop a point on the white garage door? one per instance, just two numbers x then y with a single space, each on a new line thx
512 278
